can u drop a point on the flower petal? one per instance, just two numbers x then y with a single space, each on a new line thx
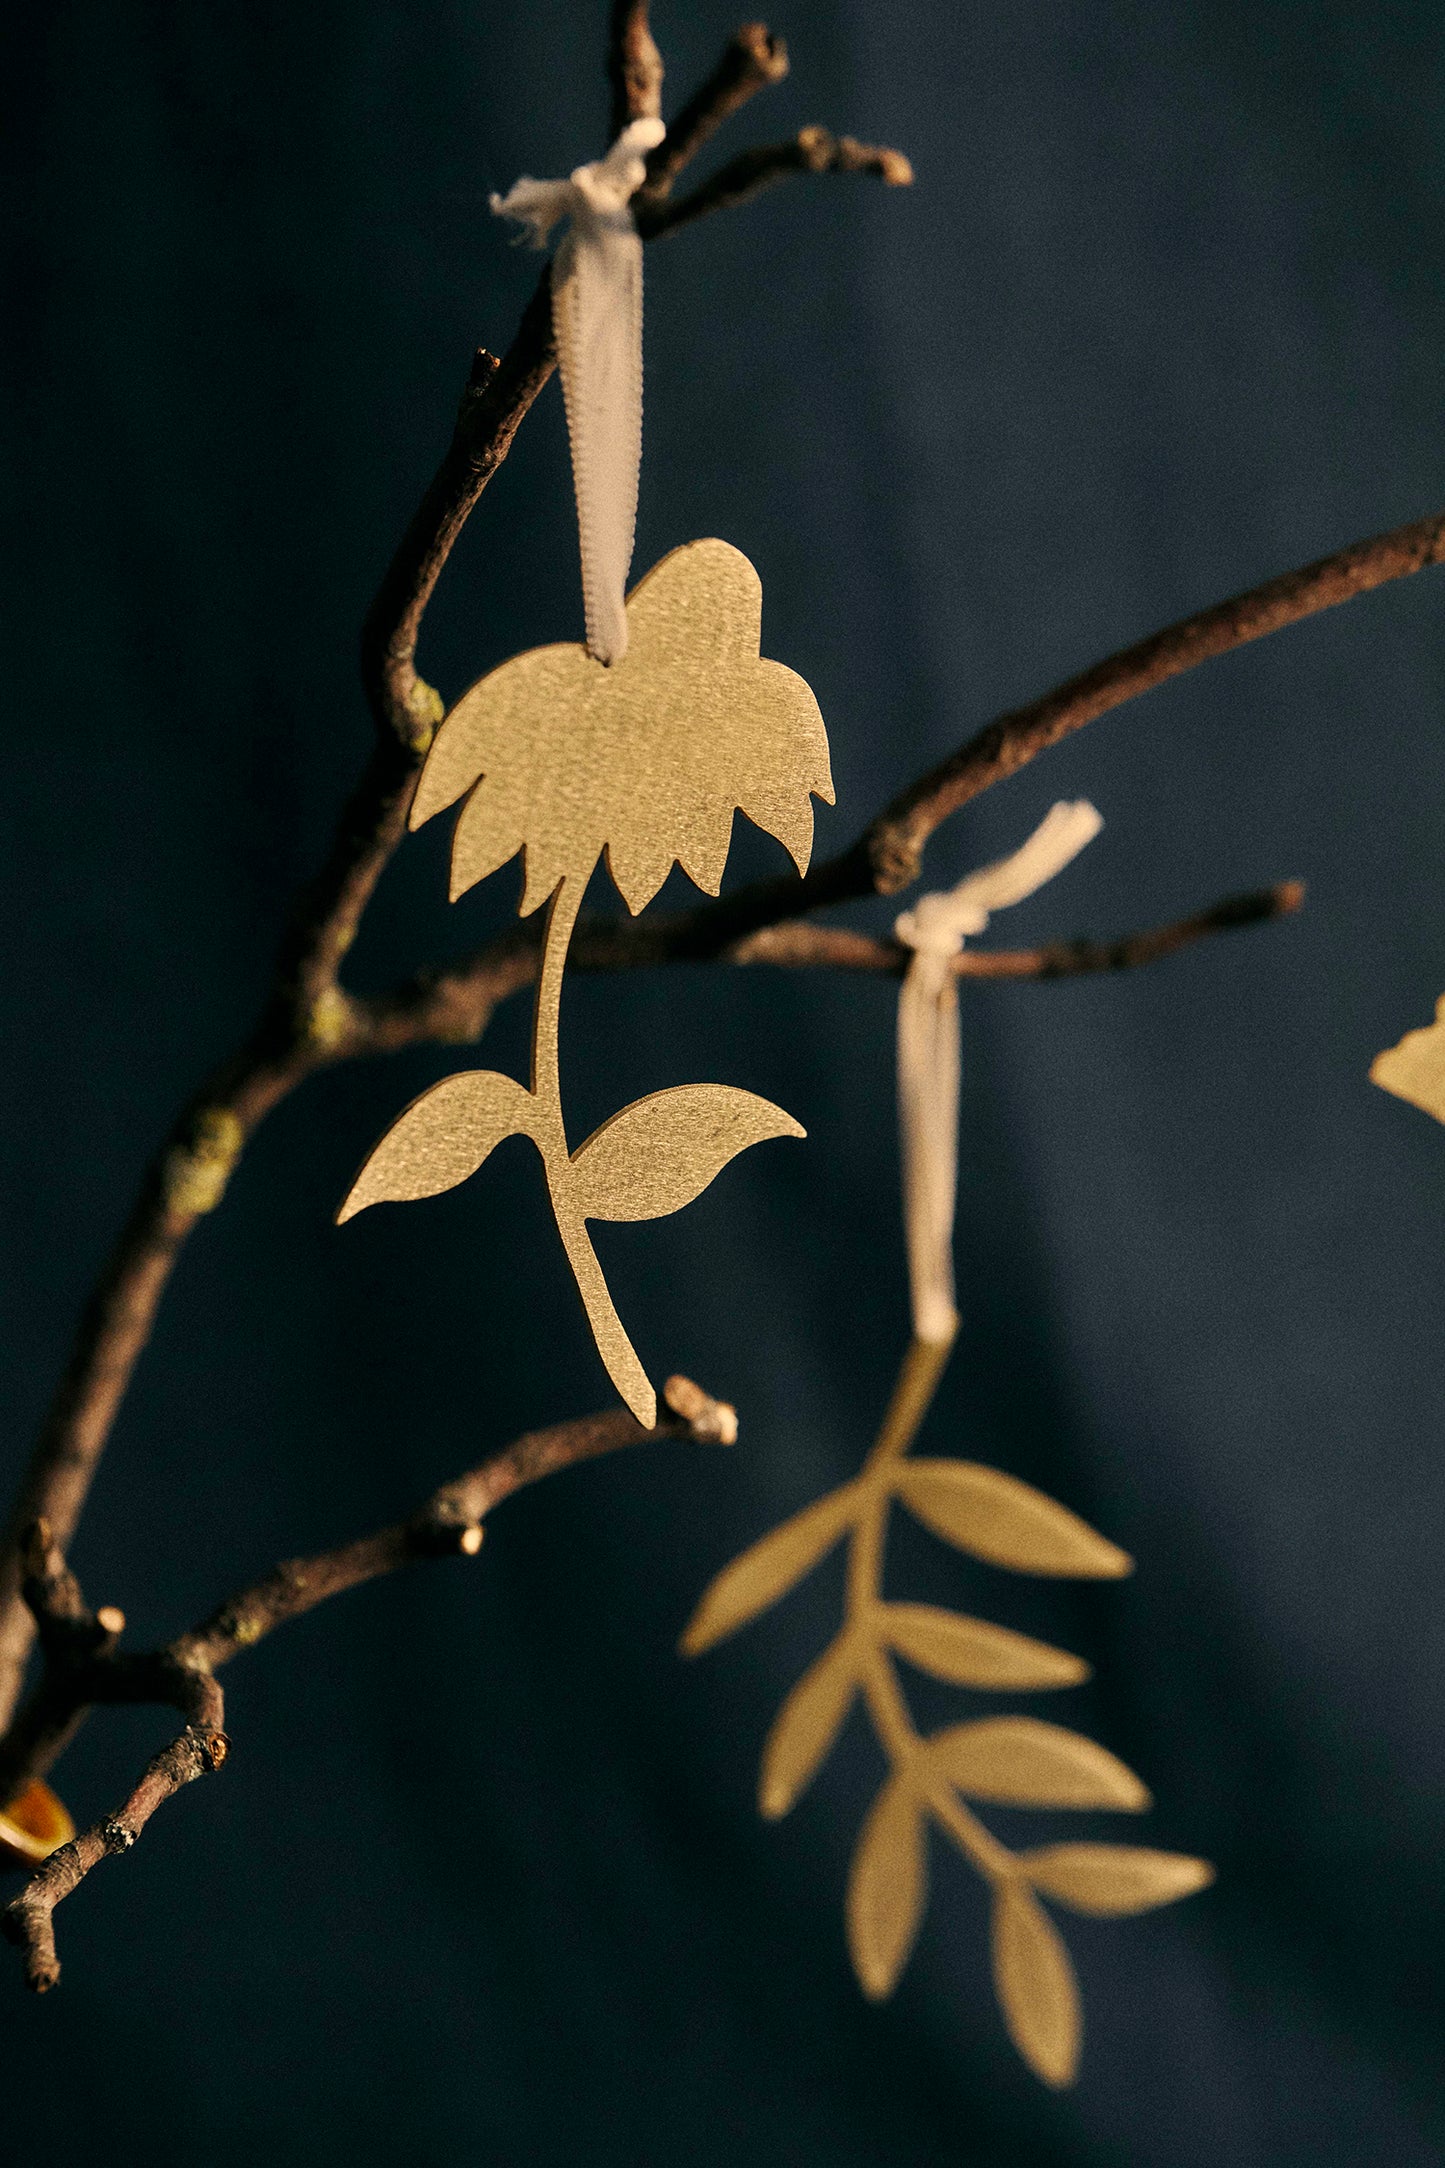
703 854
487 835
460 749
638 866
544 865
789 818
702 602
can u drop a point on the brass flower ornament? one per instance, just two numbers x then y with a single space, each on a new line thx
646 760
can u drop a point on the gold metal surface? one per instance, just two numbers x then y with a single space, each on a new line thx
1415 1069
646 760
1016 1761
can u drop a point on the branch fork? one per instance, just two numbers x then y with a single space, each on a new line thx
83 1667
310 1021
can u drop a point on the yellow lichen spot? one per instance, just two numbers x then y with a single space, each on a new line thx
195 1174
425 708
329 1024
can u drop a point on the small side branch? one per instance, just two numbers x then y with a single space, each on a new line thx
895 841
811 150
453 1007
83 1667
799 945
29 1920
752 60
634 66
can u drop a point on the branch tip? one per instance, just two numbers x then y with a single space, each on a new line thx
634 66
711 1422
752 60
812 150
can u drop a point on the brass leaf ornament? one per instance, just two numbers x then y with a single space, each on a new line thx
33 1826
643 761
933 1781
1415 1069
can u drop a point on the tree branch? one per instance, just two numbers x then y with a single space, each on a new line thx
309 1019
454 1007
895 841
799 944
83 1668
29 1919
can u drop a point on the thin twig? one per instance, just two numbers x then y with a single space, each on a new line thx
799 944
634 66
895 841
29 1919
811 150
454 1007
83 1672
752 60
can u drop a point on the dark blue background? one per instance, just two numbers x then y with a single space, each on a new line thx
1164 315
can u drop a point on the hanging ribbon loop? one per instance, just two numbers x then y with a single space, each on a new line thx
597 319
935 928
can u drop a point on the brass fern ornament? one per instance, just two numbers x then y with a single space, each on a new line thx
645 760
1015 1761
936 1782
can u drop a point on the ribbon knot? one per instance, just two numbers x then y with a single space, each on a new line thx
935 928
597 319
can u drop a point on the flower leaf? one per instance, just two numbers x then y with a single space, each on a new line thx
805 1728
887 1888
770 1568
1109 1881
970 1652
1035 1984
996 1517
656 1155
441 1138
1021 1761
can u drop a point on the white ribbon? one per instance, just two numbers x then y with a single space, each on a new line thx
928 1047
597 318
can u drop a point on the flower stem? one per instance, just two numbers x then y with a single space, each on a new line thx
613 1345
566 902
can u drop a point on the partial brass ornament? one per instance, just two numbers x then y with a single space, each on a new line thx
565 759
932 1781
1415 1069
33 1826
